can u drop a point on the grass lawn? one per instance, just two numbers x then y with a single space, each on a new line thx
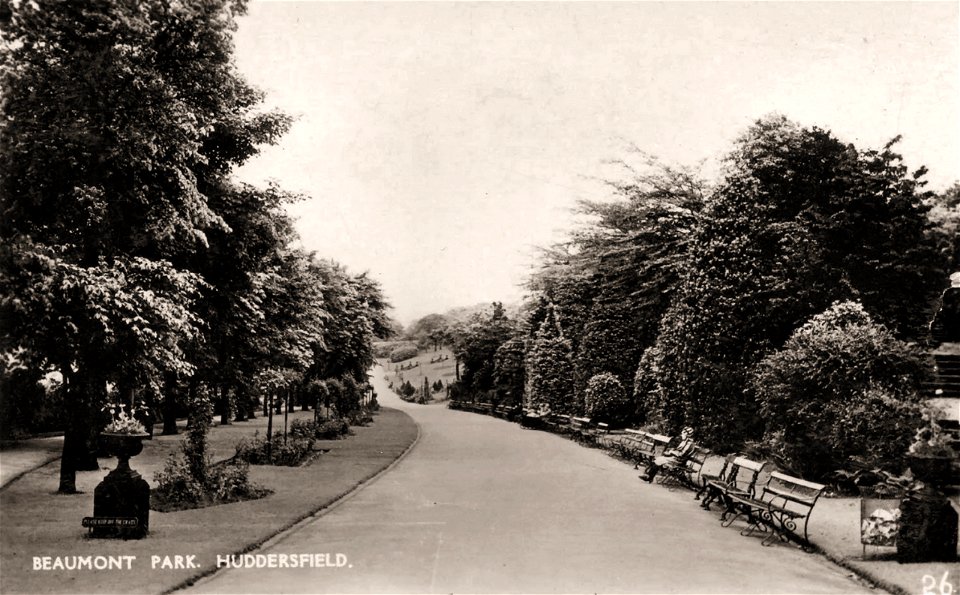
37 522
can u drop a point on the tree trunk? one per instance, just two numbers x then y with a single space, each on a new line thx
79 452
224 406
170 406
242 403
93 398
68 470
286 415
269 428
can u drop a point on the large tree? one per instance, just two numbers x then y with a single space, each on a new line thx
799 220
613 278
120 121
476 347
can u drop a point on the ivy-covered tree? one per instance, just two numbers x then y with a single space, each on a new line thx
509 374
610 343
549 368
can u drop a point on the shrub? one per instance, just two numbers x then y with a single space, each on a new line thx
287 453
331 429
403 352
360 418
349 399
334 391
606 400
176 486
178 489
317 394
301 428
841 386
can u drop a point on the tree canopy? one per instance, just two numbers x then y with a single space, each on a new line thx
131 260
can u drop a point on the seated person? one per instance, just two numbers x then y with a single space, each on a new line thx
675 455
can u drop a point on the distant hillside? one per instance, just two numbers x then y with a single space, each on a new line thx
463 313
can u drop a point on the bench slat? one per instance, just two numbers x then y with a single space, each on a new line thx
796 480
749 464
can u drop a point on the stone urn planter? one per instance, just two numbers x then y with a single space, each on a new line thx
933 470
124 446
121 502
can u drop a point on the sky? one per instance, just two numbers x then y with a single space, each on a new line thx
439 144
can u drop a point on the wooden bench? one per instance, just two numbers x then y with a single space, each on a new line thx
644 446
553 421
738 477
562 423
587 430
685 472
580 424
784 502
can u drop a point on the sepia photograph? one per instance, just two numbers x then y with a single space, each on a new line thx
301 296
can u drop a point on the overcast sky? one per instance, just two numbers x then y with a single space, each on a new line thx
440 143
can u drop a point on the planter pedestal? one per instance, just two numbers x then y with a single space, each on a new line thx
928 523
121 503
928 528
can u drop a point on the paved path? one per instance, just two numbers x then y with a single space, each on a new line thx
28 455
481 505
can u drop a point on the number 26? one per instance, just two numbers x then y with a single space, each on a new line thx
930 583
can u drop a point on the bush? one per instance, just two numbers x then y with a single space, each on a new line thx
360 418
841 386
288 453
317 393
403 352
301 428
331 429
348 400
178 489
334 391
606 400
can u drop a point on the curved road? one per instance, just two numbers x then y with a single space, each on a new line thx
481 505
